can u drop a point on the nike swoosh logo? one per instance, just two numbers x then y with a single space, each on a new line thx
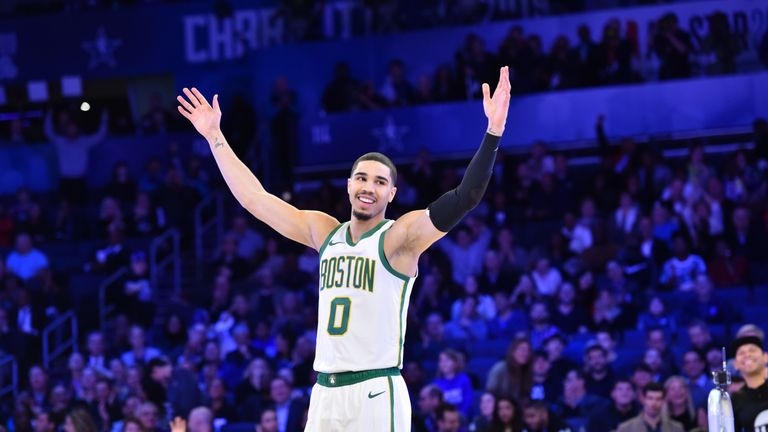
335 243
371 396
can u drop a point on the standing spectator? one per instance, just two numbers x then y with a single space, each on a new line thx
673 46
25 261
466 252
651 415
513 376
73 149
587 54
454 382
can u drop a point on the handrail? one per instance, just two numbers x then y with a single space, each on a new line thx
13 386
104 308
172 259
61 345
202 227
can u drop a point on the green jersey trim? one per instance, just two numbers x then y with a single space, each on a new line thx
406 279
367 234
391 405
328 239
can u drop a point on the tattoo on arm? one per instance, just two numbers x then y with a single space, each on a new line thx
218 143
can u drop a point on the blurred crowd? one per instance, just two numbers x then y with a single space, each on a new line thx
558 300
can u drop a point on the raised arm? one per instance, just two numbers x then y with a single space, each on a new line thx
413 233
309 228
50 131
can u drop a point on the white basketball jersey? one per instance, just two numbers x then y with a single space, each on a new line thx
363 304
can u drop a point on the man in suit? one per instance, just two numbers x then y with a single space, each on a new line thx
290 412
650 419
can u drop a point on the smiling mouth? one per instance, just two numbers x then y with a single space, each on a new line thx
366 199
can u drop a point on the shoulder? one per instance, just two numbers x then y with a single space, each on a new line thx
629 425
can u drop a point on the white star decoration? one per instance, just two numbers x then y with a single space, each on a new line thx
102 49
390 135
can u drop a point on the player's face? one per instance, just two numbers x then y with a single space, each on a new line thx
370 189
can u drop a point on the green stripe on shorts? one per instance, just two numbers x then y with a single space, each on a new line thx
391 406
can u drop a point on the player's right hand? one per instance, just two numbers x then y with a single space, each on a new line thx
205 118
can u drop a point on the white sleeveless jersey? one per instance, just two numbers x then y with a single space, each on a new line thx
363 304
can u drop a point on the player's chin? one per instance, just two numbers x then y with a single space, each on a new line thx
362 214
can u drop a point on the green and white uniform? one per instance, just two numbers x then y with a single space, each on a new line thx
363 304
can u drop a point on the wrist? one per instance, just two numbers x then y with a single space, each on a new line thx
212 135
495 130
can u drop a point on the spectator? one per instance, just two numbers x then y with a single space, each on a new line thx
44 423
567 315
680 271
201 420
139 353
623 407
538 418
289 412
430 401
397 90
546 277
468 325
340 94
541 328
252 394
445 87
587 54
679 403
484 304
749 402
544 385
146 218
249 241
121 186
487 410
79 421
73 149
513 376
105 406
657 317
673 47
509 320
148 416
136 299
506 416
656 338
578 407
448 418
600 378
454 382
466 252
25 261
157 119
651 415
96 354
112 256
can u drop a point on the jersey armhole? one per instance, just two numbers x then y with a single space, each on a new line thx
385 262
328 239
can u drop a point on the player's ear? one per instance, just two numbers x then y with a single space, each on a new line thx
349 182
392 193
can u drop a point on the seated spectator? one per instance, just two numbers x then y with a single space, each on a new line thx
657 317
430 400
657 339
140 353
341 93
679 403
507 415
112 256
726 268
541 328
544 384
554 346
137 294
252 393
249 241
105 406
25 261
577 407
605 338
546 277
624 406
267 421
509 320
567 315
700 337
146 218
218 401
651 414
121 186
290 412
397 90
494 277
466 251
538 418
513 376
448 418
454 382
486 412
484 305
608 312
680 271
696 376
469 325
430 297
600 378
79 420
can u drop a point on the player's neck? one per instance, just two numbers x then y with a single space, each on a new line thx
357 227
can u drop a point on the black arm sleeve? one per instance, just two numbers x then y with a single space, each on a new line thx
449 209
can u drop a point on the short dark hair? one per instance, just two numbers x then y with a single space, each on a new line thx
378 157
444 408
654 387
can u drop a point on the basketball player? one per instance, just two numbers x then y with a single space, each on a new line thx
367 266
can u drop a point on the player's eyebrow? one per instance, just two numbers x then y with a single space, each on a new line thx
363 173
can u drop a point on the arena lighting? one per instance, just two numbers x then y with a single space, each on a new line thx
37 91
72 86
85 106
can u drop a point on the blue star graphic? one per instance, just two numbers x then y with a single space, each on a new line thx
390 135
102 49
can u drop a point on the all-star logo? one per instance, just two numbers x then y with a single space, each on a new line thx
102 49
390 135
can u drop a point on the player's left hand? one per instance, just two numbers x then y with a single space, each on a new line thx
497 106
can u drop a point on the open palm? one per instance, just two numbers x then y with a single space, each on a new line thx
204 117
497 106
